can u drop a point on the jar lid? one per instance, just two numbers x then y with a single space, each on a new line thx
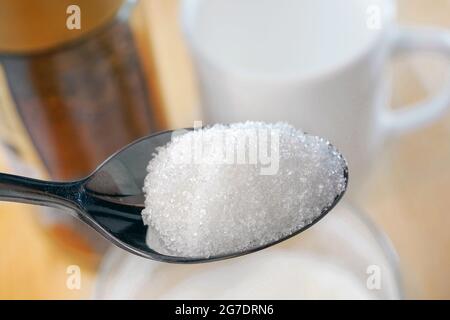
35 25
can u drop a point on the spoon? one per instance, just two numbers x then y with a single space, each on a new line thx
111 199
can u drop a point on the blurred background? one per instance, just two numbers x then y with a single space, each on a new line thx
70 98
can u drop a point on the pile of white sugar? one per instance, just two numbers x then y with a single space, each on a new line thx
230 188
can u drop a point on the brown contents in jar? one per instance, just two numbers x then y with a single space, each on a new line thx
82 101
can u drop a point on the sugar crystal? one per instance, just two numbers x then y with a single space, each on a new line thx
230 188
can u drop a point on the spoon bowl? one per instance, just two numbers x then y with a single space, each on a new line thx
111 199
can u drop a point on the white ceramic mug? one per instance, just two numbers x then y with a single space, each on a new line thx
317 64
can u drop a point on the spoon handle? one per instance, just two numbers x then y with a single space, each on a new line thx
26 190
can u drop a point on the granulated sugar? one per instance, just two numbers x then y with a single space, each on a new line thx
230 188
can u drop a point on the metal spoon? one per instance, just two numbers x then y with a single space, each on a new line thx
111 199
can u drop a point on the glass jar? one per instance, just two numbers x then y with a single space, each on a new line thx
72 94
343 256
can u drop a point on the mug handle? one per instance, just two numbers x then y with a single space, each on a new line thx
407 39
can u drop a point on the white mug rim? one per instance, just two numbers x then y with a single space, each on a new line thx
187 13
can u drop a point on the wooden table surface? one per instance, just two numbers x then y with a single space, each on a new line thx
407 194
